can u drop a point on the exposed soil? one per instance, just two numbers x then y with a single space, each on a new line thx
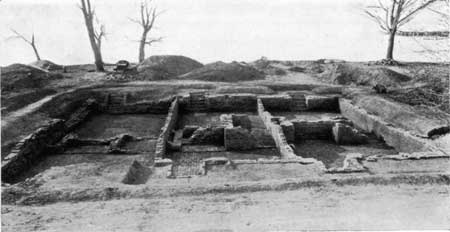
410 83
271 67
15 101
81 189
345 74
21 127
426 96
166 67
90 168
17 77
225 72
398 207
107 126
199 119
333 155
245 89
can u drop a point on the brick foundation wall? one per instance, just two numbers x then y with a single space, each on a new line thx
31 148
81 114
171 120
248 102
144 107
276 131
222 103
276 102
322 103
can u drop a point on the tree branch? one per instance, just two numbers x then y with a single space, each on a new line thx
20 36
422 6
153 40
135 21
378 20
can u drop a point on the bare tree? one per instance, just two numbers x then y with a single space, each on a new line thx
95 36
393 15
147 21
31 42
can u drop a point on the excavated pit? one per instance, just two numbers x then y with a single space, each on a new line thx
124 139
313 138
205 136
89 155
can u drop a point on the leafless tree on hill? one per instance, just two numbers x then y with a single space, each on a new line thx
392 14
95 35
148 16
31 42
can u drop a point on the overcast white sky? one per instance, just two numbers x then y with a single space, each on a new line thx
206 30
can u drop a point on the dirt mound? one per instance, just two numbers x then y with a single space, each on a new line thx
269 67
165 67
47 65
20 76
347 74
226 72
314 67
245 89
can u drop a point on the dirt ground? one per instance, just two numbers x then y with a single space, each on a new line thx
333 155
345 208
81 190
106 126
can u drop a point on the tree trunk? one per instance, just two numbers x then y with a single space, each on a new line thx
141 51
95 48
142 47
390 49
36 52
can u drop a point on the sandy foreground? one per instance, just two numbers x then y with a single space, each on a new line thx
367 207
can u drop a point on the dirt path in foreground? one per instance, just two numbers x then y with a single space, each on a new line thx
355 208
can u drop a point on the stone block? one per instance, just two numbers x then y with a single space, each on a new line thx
137 174
352 163
288 130
216 161
226 120
345 134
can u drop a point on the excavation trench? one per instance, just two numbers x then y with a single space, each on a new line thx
117 140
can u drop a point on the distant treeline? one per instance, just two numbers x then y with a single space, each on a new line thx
424 33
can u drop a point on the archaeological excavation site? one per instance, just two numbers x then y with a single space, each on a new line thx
269 138
159 139
225 116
